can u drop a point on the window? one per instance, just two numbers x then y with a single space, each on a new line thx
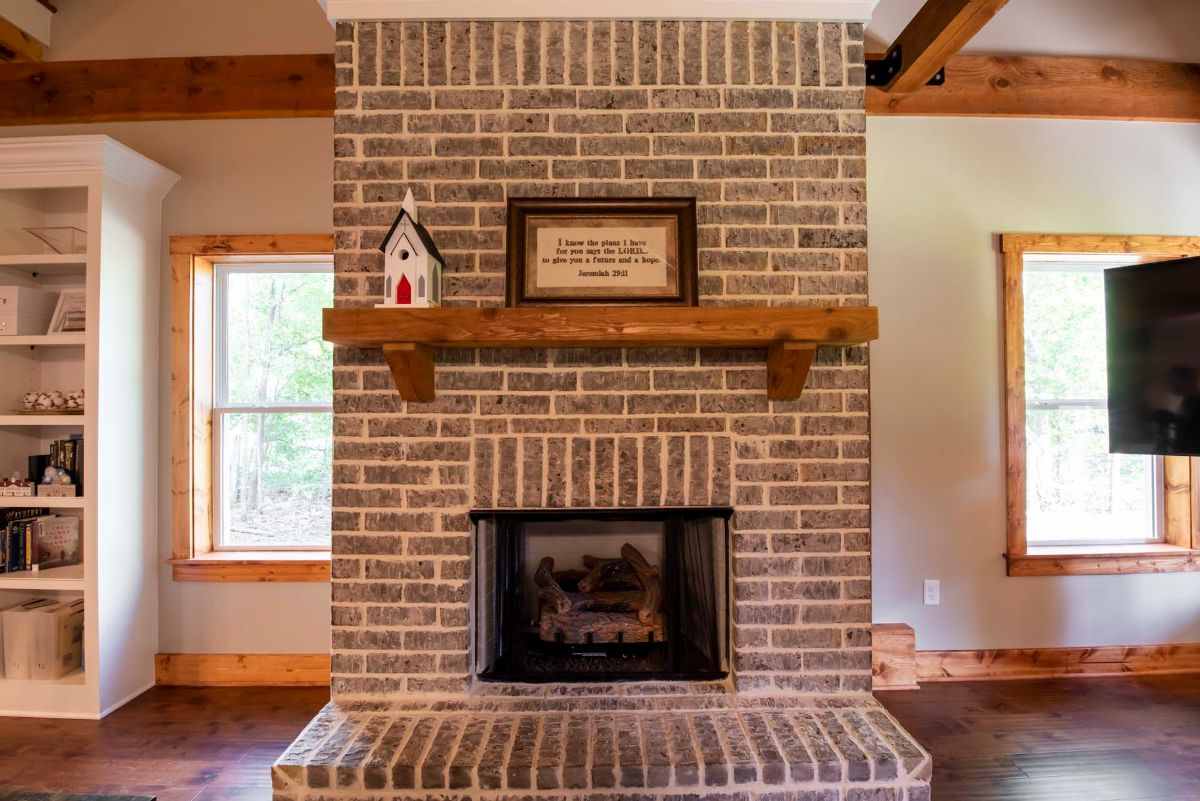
1072 506
272 412
1076 491
251 384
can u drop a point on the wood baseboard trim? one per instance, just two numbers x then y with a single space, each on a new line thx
897 665
1047 663
241 670
893 657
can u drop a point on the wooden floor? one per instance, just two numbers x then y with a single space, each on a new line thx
1120 739
176 744
1085 739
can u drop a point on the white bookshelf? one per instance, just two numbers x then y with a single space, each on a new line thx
115 195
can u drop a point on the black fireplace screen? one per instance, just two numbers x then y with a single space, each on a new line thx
601 595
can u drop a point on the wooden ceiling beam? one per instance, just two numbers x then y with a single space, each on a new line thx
939 30
16 45
232 87
216 87
1053 86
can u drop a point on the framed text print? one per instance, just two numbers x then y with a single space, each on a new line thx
613 251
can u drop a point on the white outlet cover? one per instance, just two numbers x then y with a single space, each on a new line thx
933 592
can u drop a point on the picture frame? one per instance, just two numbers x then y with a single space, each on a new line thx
70 313
602 251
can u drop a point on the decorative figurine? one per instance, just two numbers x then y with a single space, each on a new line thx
53 401
412 264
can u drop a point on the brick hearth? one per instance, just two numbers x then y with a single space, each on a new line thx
656 745
761 122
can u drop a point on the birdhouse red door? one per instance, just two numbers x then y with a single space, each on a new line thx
404 292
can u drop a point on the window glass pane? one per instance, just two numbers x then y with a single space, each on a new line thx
274 350
1076 489
277 472
1064 335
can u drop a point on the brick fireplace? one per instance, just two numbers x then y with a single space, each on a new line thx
763 123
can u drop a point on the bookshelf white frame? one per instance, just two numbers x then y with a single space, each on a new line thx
117 365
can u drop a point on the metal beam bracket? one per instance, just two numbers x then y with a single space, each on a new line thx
880 71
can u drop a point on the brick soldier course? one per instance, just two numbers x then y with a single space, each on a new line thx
763 123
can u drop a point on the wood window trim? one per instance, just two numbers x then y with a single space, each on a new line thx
1181 550
192 554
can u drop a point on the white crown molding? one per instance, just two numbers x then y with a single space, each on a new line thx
49 155
828 10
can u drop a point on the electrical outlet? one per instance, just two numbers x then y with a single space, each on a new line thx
933 592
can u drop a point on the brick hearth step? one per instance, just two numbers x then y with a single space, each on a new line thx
578 749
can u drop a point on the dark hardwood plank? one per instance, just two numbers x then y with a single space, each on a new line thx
1099 739
178 744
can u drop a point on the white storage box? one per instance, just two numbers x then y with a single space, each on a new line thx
24 310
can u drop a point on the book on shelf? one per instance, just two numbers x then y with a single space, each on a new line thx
9 515
65 454
42 638
57 542
40 542
13 521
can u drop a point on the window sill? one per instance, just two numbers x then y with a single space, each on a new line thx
250 566
1103 560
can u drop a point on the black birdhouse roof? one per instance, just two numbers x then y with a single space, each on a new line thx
422 234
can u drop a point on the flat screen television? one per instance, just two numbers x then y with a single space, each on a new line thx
1153 320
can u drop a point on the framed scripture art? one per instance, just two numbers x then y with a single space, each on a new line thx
605 251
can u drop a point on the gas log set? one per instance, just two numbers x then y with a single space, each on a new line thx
615 600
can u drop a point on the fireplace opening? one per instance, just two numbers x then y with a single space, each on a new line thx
602 595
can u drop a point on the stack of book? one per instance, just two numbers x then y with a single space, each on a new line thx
34 539
43 638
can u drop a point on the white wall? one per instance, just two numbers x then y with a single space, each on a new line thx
1154 29
237 176
939 191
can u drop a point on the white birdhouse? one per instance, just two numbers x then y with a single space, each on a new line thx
412 265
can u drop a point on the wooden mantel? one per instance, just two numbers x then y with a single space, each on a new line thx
790 335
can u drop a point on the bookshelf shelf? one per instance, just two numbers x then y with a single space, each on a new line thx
30 420
45 503
66 578
65 264
44 340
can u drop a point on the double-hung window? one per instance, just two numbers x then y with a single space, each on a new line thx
251 407
272 409
1074 507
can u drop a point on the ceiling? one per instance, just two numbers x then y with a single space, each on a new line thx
1157 29
102 29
